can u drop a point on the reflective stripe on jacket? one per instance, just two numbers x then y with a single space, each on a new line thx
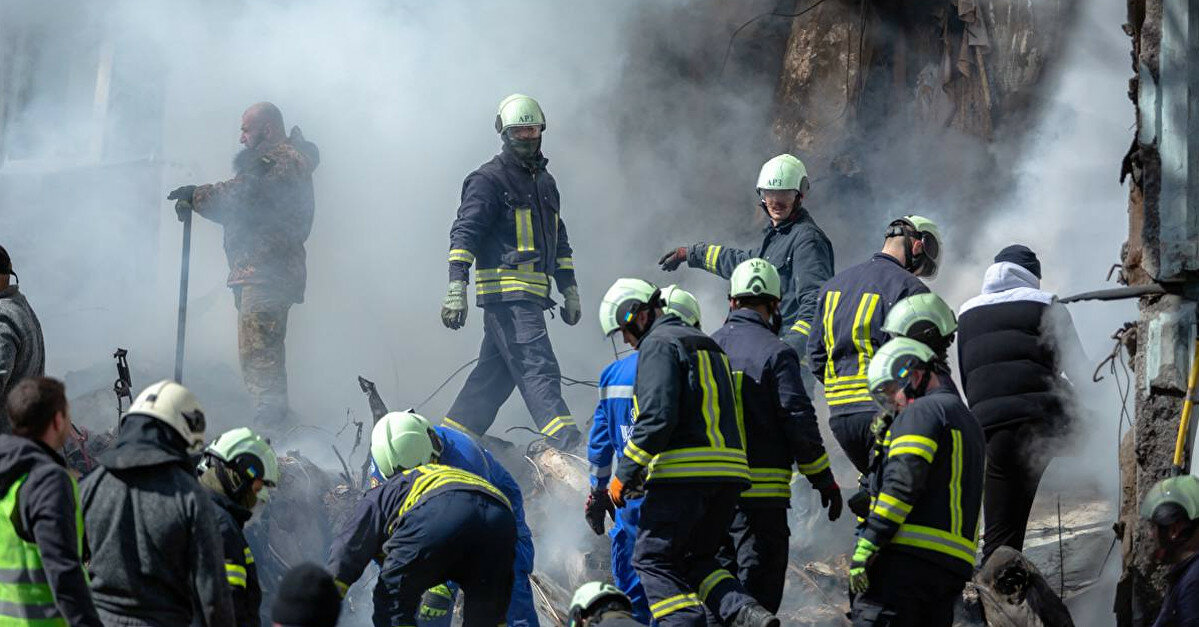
687 422
927 494
849 329
509 227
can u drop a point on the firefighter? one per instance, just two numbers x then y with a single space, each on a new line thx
41 525
852 307
916 548
685 453
22 350
426 524
612 422
235 469
599 604
509 225
155 545
266 210
1172 509
792 242
781 433
458 450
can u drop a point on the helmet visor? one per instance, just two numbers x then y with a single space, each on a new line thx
884 394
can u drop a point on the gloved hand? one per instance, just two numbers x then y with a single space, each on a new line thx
598 504
572 309
880 424
184 193
673 259
453 308
830 499
618 491
436 602
863 555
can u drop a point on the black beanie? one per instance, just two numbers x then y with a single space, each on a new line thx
5 262
307 598
1022 256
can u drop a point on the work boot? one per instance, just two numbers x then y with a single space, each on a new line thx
754 615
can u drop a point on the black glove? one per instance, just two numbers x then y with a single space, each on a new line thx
673 259
598 504
183 193
859 504
830 499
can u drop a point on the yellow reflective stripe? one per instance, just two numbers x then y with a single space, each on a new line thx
711 256
637 454
851 390
495 274
513 285
936 540
236 575
342 587
891 508
636 408
461 254
433 476
565 263
701 453
738 383
450 422
524 229
913 445
249 556
768 483
699 471
819 465
831 300
710 404
955 485
710 582
802 327
673 604
861 330
557 424
860 398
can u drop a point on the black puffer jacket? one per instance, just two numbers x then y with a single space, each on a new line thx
1014 341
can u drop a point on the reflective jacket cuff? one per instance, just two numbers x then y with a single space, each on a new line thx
823 479
564 279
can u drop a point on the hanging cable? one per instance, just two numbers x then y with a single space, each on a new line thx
772 13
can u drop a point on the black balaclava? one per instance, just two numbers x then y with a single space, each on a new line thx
528 151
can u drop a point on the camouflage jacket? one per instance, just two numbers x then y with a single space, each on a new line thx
267 211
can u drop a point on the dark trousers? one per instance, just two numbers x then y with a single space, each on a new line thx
682 527
1016 460
906 591
756 551
516 353
261 334
853 434
461 536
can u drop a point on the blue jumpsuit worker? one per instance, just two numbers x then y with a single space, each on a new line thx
916 549
792 242
610 429
686 452
853 306
458 450
781 433
235 469
425 525
509 225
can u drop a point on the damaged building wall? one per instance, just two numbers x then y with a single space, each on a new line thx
1161 250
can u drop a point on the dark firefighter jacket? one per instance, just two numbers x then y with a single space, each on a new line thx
382 509
22 352
780 424
853 306
1180 608
510 228
803 256
267 211
240 571
156 555
927 494
686 426
47 514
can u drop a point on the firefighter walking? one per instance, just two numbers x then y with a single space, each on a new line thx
686 452
509 227
916 549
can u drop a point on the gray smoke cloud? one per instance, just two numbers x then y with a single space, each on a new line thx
107 106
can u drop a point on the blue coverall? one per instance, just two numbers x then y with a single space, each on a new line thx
610 427
461 451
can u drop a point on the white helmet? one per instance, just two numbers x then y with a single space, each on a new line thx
681 303
622 302
175 405
400 441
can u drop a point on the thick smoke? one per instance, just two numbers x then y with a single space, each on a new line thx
652 143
